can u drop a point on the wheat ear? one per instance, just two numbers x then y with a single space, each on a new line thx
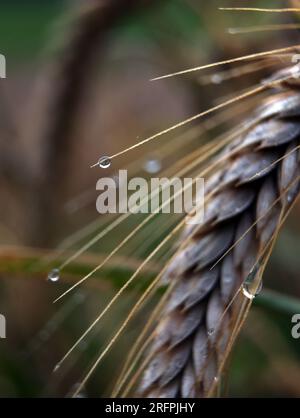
250 194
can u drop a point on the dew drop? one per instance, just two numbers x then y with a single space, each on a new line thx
253 283
216 79
104 162
210 331
80 394
55 369
289 197
152 165
54 275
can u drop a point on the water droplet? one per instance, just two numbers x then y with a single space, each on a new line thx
152 165
56 367
253 283
290 197
210 331
104 162
216 379
54 275
216 79
74 389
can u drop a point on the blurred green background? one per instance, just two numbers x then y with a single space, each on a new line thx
117 107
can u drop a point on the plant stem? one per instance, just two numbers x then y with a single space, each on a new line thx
273 300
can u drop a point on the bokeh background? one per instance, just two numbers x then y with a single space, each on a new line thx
47 190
